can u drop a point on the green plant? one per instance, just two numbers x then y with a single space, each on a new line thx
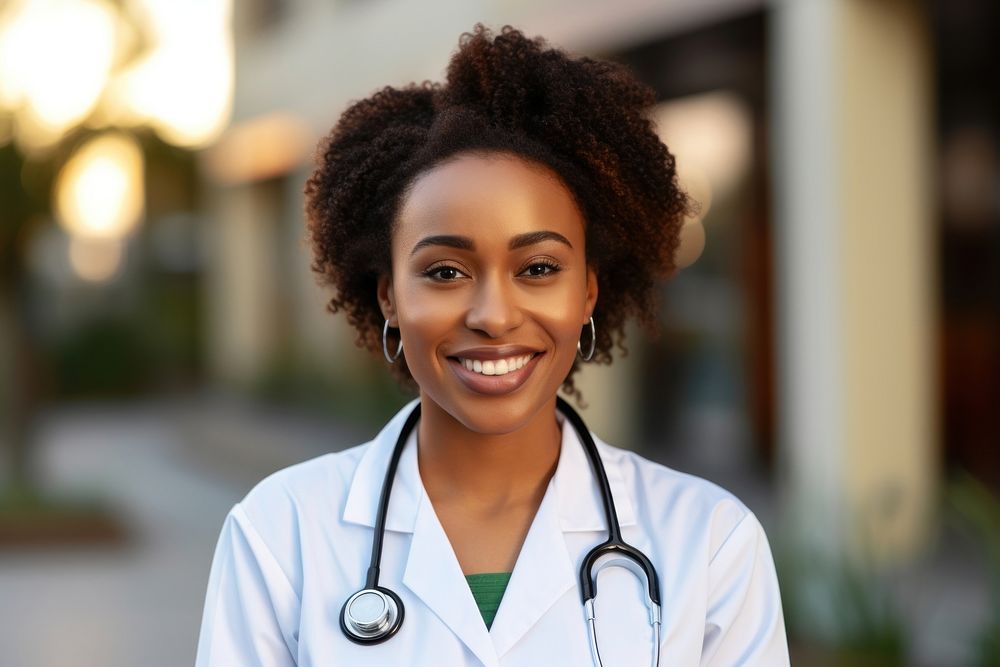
977 512
105 357
840 605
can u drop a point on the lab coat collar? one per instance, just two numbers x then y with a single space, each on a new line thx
366 487
579 506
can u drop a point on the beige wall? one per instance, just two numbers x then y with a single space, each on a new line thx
240 287
854 276
888 270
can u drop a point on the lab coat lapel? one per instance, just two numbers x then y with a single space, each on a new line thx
543 574
545 568
434 575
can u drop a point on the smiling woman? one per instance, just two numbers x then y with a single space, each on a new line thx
481 235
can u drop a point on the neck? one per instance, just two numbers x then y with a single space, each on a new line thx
486 471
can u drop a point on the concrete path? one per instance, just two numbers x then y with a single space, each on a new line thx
141 604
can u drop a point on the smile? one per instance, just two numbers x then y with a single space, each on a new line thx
496 367
495 376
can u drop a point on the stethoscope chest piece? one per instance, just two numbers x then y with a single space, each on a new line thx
371 615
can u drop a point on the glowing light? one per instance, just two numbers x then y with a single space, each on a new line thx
99 193
692 243
55 59
184 86
95 259
260 148
709 132
710 136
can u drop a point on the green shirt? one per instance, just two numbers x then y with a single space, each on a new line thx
487 589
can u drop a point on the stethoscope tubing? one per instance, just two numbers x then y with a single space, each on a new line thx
374 566
613 546
614 543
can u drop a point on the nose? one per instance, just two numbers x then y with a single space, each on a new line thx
494 309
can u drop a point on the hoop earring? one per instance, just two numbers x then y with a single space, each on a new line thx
593 343
391 358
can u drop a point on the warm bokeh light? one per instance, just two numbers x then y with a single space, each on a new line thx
99 192
692 243
183 86
96 259
709 133
55 59
61 64
710 136
260 148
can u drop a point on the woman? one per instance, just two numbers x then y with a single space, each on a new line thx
485 236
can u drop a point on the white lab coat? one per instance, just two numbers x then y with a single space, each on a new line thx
293 551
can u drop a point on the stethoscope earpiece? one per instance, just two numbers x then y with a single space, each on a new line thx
371 615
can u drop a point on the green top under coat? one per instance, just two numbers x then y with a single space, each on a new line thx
488 589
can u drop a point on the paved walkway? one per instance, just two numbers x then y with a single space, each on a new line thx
141 604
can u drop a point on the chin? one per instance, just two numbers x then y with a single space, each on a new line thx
493 415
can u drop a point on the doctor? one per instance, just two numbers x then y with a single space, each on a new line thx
485 236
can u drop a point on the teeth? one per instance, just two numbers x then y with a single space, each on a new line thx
497 367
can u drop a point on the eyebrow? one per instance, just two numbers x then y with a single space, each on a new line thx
531 238
465 243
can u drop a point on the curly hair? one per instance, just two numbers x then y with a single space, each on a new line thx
583 118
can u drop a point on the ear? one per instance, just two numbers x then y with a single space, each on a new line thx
591 292
387 299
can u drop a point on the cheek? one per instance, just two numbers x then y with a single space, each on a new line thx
426 322
563 324
560 318
561 310
566 345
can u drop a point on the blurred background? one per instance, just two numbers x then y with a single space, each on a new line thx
830 352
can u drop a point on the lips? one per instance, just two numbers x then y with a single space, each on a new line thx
494 371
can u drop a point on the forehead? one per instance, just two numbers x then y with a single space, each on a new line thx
491 195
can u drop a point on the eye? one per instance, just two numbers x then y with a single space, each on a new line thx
541 268
443 274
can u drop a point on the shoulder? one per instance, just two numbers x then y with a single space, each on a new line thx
294 509
290 509
321 482
664 497
321 485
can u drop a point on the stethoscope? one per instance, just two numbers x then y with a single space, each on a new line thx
375 613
